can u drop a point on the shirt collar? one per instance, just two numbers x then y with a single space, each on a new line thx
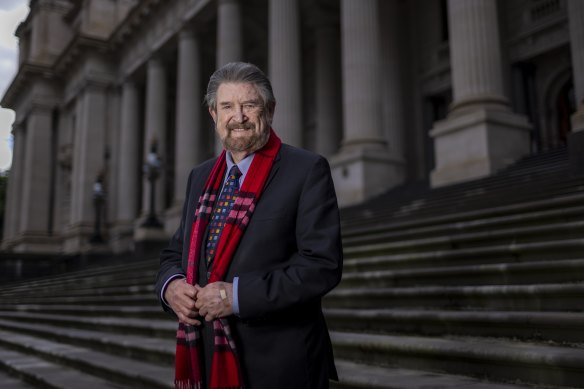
243 165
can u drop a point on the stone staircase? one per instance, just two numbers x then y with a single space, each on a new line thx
97 328
483 280
477 285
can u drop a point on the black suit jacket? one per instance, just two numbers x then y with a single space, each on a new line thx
289 257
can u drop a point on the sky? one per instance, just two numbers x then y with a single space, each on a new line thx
12 12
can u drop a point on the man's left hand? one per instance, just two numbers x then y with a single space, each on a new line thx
215 300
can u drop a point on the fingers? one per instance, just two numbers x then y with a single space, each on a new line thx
181 297
188 320
212 303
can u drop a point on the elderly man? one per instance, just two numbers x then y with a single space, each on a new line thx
257 248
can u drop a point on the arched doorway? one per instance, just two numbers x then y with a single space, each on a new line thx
559 106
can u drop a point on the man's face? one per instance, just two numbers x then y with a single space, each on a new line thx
241 119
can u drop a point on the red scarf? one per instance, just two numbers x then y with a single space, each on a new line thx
225 366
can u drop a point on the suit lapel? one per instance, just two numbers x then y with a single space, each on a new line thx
274 170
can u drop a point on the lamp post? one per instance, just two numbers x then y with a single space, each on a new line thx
98 201
152 168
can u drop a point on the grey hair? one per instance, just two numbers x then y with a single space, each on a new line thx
240 72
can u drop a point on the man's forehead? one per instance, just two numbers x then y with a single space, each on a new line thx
237 89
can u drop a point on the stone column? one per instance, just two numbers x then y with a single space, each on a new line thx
14 194
128 168
576 138
392 95
189 141
34 199
328 91
155 128
480 135
576 21
88 164
229 32
285 69
362 168
229 40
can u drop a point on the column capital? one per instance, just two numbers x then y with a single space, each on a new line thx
37 106
187 32
18 128
155 60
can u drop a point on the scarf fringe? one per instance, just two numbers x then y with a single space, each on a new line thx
187 384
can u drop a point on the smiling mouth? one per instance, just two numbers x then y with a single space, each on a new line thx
240 127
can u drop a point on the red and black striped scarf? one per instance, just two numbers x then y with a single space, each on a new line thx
225 366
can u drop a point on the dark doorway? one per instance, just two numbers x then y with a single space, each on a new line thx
565 106
435 108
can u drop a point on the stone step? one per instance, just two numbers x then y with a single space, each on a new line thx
111 367
94 290
548 326
80 280
359 376
551 297
135 346
538 272
130 311
10 382
397 231
513 252
146 327
464 197
518 183
481 357
368 226
45 374
148 299
430 204
461 240
83 284
125 271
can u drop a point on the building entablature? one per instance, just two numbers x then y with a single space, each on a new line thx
30 80
149 28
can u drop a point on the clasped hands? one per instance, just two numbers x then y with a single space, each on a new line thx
191 303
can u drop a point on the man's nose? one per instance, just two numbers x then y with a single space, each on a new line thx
239 115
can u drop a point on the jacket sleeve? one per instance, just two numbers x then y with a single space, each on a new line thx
314 268
171 256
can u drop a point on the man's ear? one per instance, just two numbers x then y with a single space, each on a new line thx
213 114
271 108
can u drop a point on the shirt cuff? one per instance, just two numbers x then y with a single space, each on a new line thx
235 296
163 291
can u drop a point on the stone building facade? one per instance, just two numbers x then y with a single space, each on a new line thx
390 91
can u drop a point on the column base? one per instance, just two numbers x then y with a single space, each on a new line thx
361 173
122 237
149 241
476 144
79 239
29 242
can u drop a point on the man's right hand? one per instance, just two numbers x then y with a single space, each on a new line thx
181 297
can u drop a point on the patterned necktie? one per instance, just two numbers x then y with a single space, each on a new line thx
221 210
